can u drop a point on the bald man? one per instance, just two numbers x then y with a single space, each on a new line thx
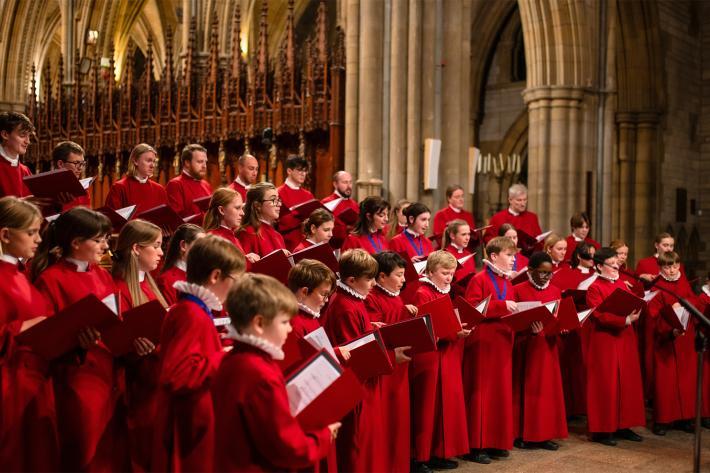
247 169
343 189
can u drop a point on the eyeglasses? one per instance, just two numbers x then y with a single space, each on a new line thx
99 240
273 201
77 164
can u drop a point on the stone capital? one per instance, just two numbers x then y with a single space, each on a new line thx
555 94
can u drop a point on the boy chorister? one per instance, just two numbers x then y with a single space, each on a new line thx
15 132
292 193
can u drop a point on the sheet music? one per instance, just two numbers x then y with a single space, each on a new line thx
584 285
463 260
309 383
360 342
221 321
126 212
683 316
582 316
86 182
319 340
333 204
649 295
111 301
542 236
52 218
523 306
481 307
420 266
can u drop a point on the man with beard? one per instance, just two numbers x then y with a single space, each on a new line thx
191 183
343 190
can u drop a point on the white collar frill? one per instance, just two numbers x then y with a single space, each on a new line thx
201 292
536 285
308 310
350 291
387 291
670 279
264 345
500 272
437 288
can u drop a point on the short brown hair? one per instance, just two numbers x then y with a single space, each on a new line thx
451 189
440 259
186 154
213 252
356 263
578 220
318 217
62 151
669 258
662 236
499 244
258 294
310 274
10 121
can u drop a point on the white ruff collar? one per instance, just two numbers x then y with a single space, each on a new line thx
308 310
201 292
387 291
181 264
9 259
14 161
248 339
437 288
350 290
670 279
706 289
608 278
500 272
536 285
81 266
141 180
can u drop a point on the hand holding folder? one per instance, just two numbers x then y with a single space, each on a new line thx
368 356
521 321
416 332
444 320
144 321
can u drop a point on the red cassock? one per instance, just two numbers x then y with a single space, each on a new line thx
165 283
234 185
447 214
228 235
488 365
129 191
394 389
28 425
614 387
409 246
303 245
572 245
458 254
675 361
89 386
11 179
520 261
183 190
341 230
190 355
538 400
570 278
438 405
359 442
254 428
289 223
84 200
703 303
261 242
373 243
526 221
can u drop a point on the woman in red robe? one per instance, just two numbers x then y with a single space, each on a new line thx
261 213
369 231
453 211
520 262
580 226
175 263
317 229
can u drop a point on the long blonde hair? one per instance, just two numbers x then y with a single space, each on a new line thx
220 198
137 151
17 214
125 265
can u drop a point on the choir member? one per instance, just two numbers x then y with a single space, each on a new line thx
318 228
580 225
224 217
138 252
539 403
190 353
488 358
455 240
15 133
312 283
580 269
136 187
254 428
516 214
626 274
703 304
453 211
257 234
69 155
412 242
556 247
397 219
190 184
439 411
88 383
614 388
520 262
175 263
647 268
247 172
342 191
28 430
368 234
292 193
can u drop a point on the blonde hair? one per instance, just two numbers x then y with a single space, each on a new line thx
551 240
498 244
137 151
213 252
17 214
394 221
452 228
125 265
616 244
440 259
258 294
356 263
220 198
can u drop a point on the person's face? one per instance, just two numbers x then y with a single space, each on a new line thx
379 220
392 281
75 163
589 263
233 212
344 184
610 268
276 332
456 199
323 233
361 284
622 254
420 224
666 245
318 297
15 142
581 232
441 276
671 271
91 249
542 274
513 235
185 247
518 203
21 243
297 175
149 255
145 164
197 166
249 170
219 285
270 205
401 218
462 236
504 259
558 251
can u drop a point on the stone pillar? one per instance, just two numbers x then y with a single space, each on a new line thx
646 194
414 104
352 58
624 189
398 101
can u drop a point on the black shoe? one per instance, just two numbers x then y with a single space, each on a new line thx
478 456
519 443
628 434
659 429
705 422
420 467
604 439
442 464
548 445
685 426
497 453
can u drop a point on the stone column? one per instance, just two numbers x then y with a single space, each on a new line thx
646 194
398 101
352 50
414 104
624 188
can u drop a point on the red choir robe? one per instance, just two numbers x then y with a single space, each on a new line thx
290 224
262 241
165 283
439 427
572 245
526 221
228 235
129 191
397 230
305 243
488 365
183 190
84 200
388 308
538 398
614 388
89 386
458 289
675 361
520 262
409 246
11 178
703 304
190 353
373 243
448 214
28 424
340 229
359 442
239 187
254 428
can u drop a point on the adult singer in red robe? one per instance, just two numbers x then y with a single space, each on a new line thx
369 231
69 155
136 187
261 213
703 304
517 214
88 384
247 172
28 424
453 211
412 243
488 358
175 263
342 192
191 351
614 389
538 399
292 193
190 184
15 133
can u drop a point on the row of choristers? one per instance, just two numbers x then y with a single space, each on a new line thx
216 389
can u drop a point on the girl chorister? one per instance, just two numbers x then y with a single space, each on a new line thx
175 263
224 217
261 213
369 231
317 229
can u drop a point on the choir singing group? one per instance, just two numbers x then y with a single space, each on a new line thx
208 398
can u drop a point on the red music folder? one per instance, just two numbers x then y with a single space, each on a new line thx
144 321
276 264
471 314
303 210
677 319
322 252
296 350
118 217
621 303
529 243
521 321
519 276
58 334
446 324
348 216
203 203
164 217
321 392
368 356
568 318
416 332
466 268
579 296
51 183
